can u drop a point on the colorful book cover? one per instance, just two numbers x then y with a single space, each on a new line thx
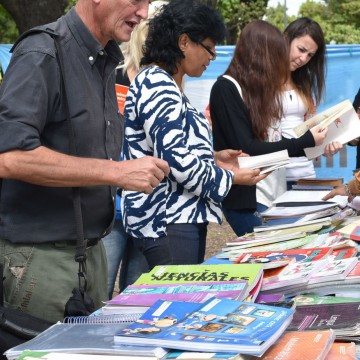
121 92
297 273
271 259
219 325
334 270
347 252
342 351
190 355
180 274
146 295
300 345
326 316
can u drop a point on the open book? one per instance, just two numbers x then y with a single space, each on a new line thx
266 162
343 124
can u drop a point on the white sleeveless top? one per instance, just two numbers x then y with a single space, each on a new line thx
294 114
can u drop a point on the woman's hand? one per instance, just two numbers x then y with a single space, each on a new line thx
319 134
248 176
227 159
339 190
332 148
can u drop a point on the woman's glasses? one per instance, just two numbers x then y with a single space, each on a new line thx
212 53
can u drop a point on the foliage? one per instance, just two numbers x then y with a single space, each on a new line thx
276 16
71 4
237 14
8 29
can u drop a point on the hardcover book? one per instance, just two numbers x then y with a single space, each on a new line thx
218 325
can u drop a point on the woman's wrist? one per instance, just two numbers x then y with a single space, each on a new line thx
348 192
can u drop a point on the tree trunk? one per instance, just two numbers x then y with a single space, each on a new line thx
30 13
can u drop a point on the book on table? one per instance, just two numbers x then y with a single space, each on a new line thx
274 259
335 269
182 274
145 295
312 299
329 182
301 345
219 325
297 273
266 162
86 335
343 318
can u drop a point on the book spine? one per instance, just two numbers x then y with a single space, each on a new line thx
103 319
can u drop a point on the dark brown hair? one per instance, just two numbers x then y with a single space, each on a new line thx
310 78
260 65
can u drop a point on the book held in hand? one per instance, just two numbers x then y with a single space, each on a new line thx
220 325
265 162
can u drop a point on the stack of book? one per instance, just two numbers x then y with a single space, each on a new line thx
219 325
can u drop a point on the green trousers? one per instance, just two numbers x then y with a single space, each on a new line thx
39 278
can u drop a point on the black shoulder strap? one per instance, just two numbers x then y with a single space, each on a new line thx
36 30
80 255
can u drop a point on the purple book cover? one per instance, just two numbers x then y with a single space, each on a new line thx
326 316
146 295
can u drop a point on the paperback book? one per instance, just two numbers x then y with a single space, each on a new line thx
221 325
182 274
297 273
312 299
265 162
273 259
300 345
334 270
146 295
343 318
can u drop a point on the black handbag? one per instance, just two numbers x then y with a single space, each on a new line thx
16 326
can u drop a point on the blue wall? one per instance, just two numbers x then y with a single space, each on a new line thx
342 82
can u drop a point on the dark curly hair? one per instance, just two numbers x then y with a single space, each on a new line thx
191 17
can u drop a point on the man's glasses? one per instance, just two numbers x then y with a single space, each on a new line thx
212 53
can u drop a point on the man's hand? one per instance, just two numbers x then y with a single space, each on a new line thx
143 174
339 190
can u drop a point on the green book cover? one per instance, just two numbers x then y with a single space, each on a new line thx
312 299
173 274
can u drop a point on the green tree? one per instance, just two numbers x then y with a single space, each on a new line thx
8 29
276 16
237 14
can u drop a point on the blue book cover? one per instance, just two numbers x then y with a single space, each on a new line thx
222 325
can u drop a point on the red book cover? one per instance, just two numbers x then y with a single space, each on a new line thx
301 345
121 92
272 259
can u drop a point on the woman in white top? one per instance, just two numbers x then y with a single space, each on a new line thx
303 92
